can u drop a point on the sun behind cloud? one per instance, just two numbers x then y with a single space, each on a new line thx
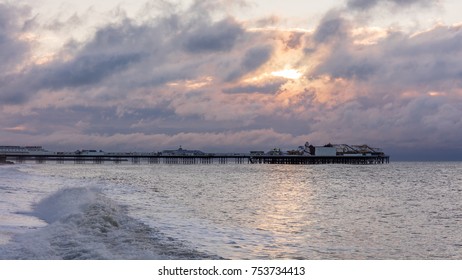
292 74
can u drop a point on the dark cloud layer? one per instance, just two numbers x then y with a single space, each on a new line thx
332 27
253 58
13 24
86 70
429 58
163 50
256 57
220 36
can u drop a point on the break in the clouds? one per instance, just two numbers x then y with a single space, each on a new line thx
201 77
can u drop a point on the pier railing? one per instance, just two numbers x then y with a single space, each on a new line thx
199 159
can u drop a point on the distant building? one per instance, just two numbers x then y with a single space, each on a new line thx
325 151
275 152
182 152
23 150
90 152
295 153
330 150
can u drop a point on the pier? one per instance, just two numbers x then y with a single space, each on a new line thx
196 159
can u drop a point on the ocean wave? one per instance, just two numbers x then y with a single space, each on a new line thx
85 224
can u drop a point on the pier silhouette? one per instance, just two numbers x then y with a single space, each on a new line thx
146 158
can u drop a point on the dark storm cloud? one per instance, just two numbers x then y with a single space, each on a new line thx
79 72
252 60
256 57
220 36
13 22
85 70
432 58
13 89
345 63
367 4
160 48
129 36
356 70
332 27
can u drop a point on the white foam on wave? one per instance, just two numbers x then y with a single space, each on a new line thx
84 224
63 203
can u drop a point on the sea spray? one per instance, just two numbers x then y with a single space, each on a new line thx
64 203
84 224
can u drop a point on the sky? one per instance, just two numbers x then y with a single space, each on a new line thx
232 76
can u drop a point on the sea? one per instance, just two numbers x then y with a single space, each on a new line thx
397 211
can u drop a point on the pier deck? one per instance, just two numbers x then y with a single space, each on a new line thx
199 159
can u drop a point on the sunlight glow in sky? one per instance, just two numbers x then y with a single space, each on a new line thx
288 74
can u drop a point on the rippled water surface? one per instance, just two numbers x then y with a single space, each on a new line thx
396 211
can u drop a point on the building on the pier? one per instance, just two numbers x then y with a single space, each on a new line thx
325 151
23 150
358 150
90 152
182 152
275 152
332 150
